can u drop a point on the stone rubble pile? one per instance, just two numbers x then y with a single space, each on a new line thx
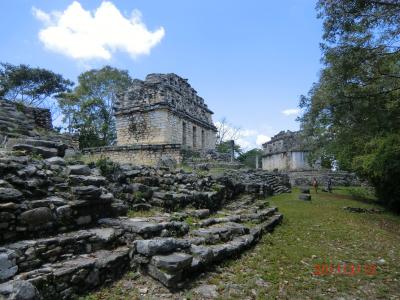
63 230
145 187
47 196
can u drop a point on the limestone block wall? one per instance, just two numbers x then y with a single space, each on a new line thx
339 178
166 127
274 161
189 134
295 160
299 160
148 155
156 133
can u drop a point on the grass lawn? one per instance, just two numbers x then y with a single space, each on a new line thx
313 233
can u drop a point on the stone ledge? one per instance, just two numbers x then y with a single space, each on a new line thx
149 147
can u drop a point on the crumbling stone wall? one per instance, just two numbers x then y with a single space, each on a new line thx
285 151
17 119
167 110
148 155
339 178
19 123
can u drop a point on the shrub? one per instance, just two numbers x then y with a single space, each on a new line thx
107 167
381 166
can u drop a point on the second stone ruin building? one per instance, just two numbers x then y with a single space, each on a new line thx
164 109
285 152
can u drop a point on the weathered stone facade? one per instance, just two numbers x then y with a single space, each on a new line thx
285 152
164 109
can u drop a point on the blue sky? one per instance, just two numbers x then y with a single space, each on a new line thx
250 60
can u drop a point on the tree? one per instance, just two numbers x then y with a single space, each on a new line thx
226 131
225 134
248 158
226 147
352 112
30 86
69 105
88 110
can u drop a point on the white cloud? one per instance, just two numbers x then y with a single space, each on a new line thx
291 111
244 144
247 138
247 132
81 34
261 139
41 16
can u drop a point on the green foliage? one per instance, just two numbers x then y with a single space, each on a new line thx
380 163
31 86
362 193
193 222
249 158
138 195
19 106
351 114
88 110
142 213
225 147
107 167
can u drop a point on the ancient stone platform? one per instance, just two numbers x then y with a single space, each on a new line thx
64 229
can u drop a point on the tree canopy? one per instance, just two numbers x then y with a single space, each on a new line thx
352 114
88 109
249 158
30 86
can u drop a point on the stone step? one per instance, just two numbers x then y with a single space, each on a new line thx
144 228
259 216
66 279
43 151
28 255
173 269
220 232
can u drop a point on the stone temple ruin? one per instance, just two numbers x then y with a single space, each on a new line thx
164 109
160 117
65 228
287 153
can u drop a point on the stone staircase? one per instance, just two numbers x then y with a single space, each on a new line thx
163 246
65 265
176 255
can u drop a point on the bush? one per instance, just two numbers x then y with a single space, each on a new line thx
107 167
362 193
381 166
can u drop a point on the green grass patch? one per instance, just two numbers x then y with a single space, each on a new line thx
282 264
315 233
143 213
